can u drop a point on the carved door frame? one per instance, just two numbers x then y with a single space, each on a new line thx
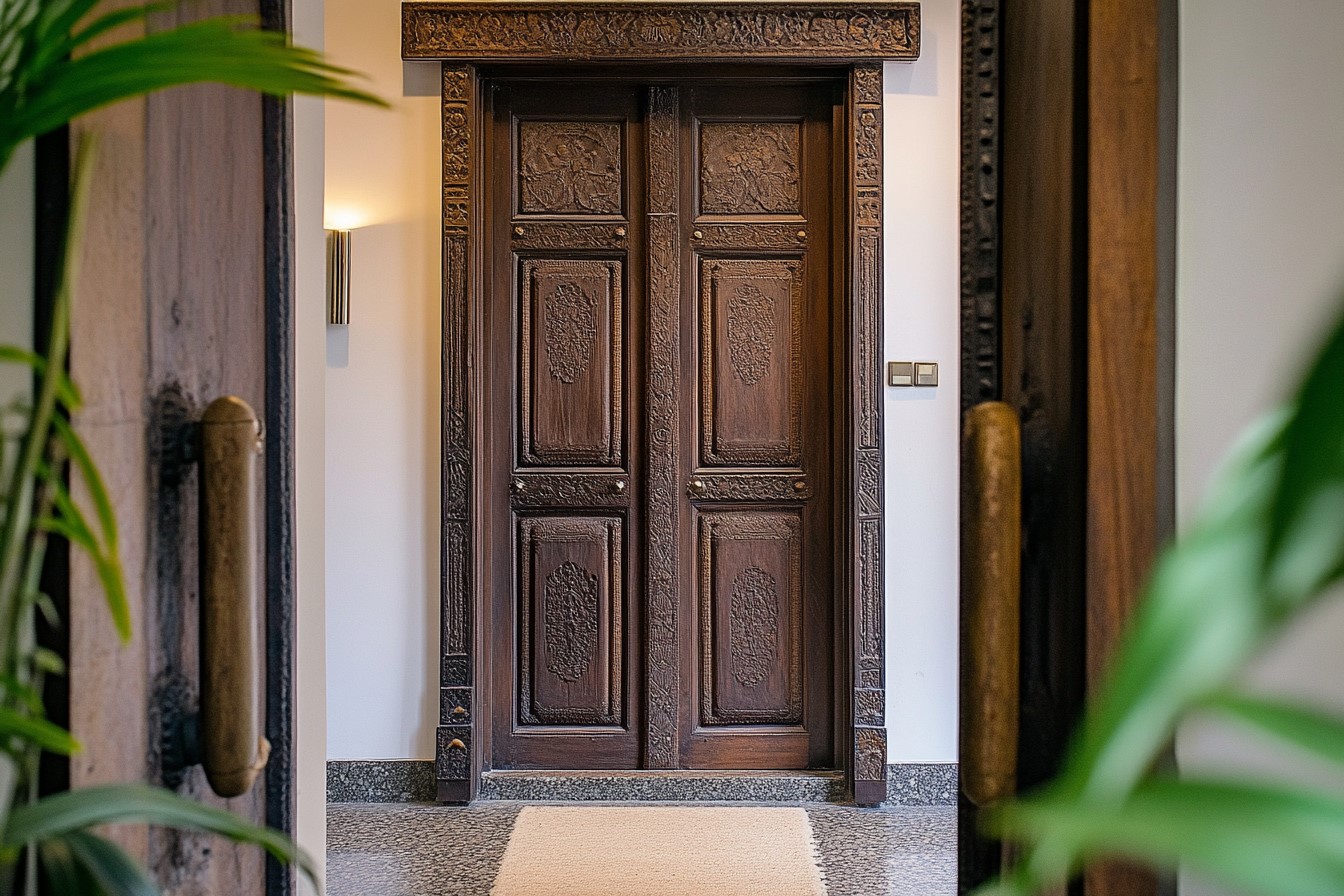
853 37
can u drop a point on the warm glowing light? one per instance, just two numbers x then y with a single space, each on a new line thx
345 218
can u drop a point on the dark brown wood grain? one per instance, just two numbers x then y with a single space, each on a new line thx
762 363
1130 292
563 562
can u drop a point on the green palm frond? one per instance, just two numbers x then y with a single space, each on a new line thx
45 82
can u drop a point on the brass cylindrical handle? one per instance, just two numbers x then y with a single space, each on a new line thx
233 750
991 576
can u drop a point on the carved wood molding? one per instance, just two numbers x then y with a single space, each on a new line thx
980 97
602 31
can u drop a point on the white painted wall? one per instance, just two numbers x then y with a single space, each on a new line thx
1260 264
382 379
382 398
923 323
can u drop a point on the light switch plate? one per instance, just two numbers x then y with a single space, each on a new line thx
926 373
900 373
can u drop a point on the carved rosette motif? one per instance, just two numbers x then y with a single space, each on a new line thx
571 601
725 282
751 332
569 167
562 618
565 305
754 599
754 625
748 169
613 31
571 330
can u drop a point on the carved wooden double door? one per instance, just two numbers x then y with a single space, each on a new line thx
661 528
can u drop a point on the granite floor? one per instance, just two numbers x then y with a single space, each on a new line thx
383 849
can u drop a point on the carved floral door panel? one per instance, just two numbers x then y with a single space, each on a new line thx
661 437
757 255
564 179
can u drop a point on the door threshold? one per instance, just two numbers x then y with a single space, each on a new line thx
673 785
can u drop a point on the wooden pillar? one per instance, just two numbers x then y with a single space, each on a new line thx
1130 286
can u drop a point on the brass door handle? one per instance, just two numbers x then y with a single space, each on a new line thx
991 575
233 750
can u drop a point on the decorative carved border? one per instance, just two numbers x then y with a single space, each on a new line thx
869 760
609 32
663 741
980 324
650 32
457 761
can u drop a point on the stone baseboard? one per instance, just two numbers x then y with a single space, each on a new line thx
412 781
380 781
922 784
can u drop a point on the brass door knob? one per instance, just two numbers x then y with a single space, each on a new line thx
697 486
618 486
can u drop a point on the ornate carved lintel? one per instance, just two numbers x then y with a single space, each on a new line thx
613 31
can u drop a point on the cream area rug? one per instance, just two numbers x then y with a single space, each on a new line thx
660 851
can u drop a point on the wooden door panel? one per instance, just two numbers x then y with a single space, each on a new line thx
750 598
570 167
761 480
571 401
559 370
571 574
749 168
751 361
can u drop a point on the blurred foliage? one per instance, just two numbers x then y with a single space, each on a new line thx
1267 545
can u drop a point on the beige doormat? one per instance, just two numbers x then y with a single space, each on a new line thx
659 851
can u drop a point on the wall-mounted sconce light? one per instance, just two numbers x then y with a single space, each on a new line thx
338 277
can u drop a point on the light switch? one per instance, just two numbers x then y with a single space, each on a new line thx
900 373
926 373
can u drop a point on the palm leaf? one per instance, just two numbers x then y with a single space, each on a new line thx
1305 550
219 50
79 810
47 735
67 392
65 873
113 871
1258 839
1301 726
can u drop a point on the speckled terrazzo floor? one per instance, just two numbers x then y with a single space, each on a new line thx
421 850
